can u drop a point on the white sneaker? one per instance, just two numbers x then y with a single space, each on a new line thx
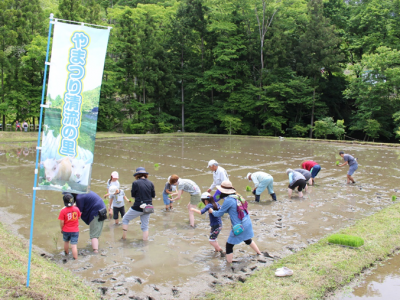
282 272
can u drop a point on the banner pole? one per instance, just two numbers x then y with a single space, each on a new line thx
37 151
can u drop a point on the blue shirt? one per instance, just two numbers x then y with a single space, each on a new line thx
89 204
213 220
350 159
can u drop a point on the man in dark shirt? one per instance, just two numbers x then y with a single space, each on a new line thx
90 204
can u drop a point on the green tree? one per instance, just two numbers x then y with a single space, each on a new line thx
374 85
318 49
71 10
8 39
372 128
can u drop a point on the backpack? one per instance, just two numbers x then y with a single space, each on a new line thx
241 206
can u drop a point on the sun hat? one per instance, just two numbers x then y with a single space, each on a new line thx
247 176
114 174
112 189
212 162
205 195
288 171
139 171
226 187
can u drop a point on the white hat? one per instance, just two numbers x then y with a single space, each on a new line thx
112 189
114 174
212 162
226 187
205 195
247 176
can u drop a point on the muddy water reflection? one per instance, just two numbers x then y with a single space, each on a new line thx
177 255
383 283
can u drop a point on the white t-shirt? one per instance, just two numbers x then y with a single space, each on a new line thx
110 183
188 186
118 199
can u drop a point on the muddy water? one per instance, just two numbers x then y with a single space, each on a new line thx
177 261
382 283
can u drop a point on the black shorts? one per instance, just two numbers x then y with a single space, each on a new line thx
301 183
116 210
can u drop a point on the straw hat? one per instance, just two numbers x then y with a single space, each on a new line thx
226 187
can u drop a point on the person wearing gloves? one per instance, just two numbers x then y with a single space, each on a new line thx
353 165
296 179
262 181
219 175
143 192
306 174
236 207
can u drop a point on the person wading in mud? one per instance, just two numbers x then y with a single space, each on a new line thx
296 180
313 167
353 165
189 186
143 192
219 175
261 182
307 176
94 212
242 228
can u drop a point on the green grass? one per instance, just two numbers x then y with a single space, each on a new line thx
346 240
394 198
47 281
322 267
248 188
201 205
337 162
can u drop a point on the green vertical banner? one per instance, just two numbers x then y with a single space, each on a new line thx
70 123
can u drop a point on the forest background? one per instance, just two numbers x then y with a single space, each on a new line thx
327 69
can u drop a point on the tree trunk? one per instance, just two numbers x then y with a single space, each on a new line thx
202 53
183 108
183 97
312 114
2 96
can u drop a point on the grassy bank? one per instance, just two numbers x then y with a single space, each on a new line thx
15 137
321 268
47 281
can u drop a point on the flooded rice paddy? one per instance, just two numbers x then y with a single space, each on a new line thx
177 261
379 283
